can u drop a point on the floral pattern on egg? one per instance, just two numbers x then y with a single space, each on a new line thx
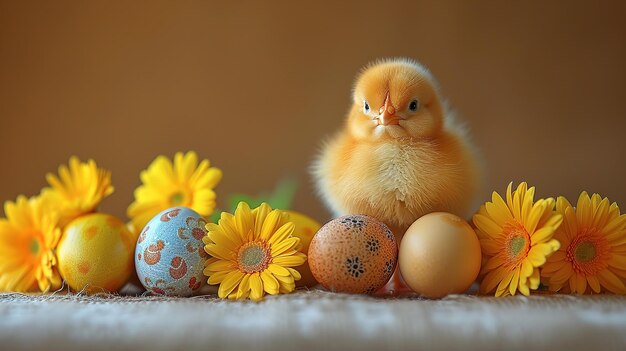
353 254
169 256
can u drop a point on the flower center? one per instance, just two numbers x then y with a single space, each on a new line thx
34 246
585 252
177 199
588 252
517 243
253 257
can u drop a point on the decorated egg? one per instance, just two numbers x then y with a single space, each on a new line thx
353 254
439 255
170 256
95 253
306 227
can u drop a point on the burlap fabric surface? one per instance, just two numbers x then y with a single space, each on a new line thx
312 320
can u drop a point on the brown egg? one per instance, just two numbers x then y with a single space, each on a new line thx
353 254
439 255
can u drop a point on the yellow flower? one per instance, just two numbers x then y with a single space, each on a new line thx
593 248
184 183
77 190
515 239
28 236
253 252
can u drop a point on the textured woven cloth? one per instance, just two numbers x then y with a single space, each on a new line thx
312 320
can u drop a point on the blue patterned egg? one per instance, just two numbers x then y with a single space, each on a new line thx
170 256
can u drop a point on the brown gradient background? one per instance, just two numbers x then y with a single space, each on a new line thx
255 88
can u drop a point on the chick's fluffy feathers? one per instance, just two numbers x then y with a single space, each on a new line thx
398 178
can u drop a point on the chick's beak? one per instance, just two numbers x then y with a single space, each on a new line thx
387 114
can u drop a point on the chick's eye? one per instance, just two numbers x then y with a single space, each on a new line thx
413 105
366 106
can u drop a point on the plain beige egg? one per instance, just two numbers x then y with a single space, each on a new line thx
439 255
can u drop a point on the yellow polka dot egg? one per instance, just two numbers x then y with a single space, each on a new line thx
95 253
170 256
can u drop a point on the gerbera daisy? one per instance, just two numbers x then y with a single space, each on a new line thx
515 239
183 183
592 256
78 189
253 253
28 236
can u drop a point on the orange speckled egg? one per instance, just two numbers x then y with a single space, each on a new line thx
95 253
306 227
353 254
439 255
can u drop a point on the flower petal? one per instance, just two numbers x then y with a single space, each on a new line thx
282 233
498 210
278 270
208 179
551 267
244 288
558 256
534 280
216 277
514 281
617 261
256 287
541 235
494 262
573 283
536 212
611 282
509 198
584 211
228 225
269 226
270 284
616 224
220 265
260 214
526 269
287 284
490 247
581 284
284 246
523 288
571 227
290 261
527 204
561 276
536 257
229 283
294 273
221 239
562 204
243 219
594 283
601 213
504 283
487 226
517 203
219 252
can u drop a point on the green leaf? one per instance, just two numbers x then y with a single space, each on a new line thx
235 199
215 216
282 196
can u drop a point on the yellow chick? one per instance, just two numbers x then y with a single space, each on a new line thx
400 154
